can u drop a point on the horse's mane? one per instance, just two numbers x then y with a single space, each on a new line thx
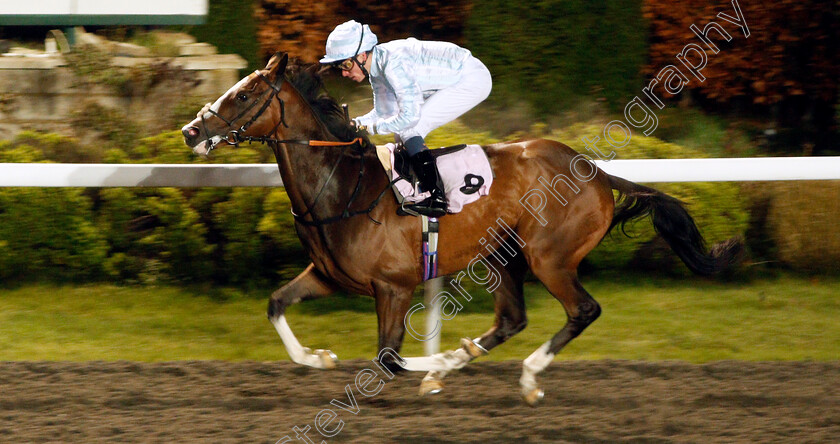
307 80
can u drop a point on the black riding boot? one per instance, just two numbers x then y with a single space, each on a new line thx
426 170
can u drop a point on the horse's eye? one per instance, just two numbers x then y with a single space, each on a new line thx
242 97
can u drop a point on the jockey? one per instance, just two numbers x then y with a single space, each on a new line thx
417 87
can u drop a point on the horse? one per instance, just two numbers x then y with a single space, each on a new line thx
359 244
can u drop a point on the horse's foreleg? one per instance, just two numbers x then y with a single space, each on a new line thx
308 285
392 303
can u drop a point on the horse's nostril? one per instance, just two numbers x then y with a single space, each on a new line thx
190 132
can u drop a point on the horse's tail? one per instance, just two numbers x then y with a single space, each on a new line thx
674 224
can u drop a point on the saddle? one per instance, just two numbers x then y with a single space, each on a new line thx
464 170
403 166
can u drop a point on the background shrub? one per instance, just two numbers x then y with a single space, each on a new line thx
144 235
154 236
802 222
278 227
301 28
46 233
57 148
787 68
554 53
241 247
232 27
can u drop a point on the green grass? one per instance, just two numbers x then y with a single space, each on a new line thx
787 318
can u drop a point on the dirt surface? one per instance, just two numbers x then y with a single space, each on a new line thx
592 402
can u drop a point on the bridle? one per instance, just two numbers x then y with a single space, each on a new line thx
234 137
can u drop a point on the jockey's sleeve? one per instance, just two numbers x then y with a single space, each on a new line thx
384 104
403 81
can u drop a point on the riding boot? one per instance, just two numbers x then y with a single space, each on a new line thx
426 170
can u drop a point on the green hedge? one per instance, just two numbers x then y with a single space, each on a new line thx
154 234
46 232
554 52
143 235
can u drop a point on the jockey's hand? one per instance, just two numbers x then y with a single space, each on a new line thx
356 127
204 110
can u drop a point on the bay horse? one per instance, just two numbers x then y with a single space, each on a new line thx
359 244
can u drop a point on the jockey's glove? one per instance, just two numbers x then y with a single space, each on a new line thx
359 128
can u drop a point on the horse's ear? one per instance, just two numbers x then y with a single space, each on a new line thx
277 63
315 68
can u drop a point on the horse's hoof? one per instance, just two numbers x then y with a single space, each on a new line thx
534 396
472 347
328 358
431 387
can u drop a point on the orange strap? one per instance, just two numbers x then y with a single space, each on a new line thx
358 140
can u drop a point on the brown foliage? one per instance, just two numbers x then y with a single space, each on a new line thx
422 19
301 28
791 50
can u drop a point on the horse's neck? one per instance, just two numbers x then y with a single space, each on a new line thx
306 170
301 166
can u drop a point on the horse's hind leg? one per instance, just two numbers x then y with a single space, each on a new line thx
308 285
510 320
581 310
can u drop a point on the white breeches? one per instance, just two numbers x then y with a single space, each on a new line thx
448 104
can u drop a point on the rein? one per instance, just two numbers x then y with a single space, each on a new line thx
234 137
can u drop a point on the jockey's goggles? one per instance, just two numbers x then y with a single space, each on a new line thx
344 65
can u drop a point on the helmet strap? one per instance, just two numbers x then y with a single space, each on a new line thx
361 66
356 55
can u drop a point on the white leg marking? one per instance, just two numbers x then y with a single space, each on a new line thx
298 353
441 362
533 365
433 381
435 376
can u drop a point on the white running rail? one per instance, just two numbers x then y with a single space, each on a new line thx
266 175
